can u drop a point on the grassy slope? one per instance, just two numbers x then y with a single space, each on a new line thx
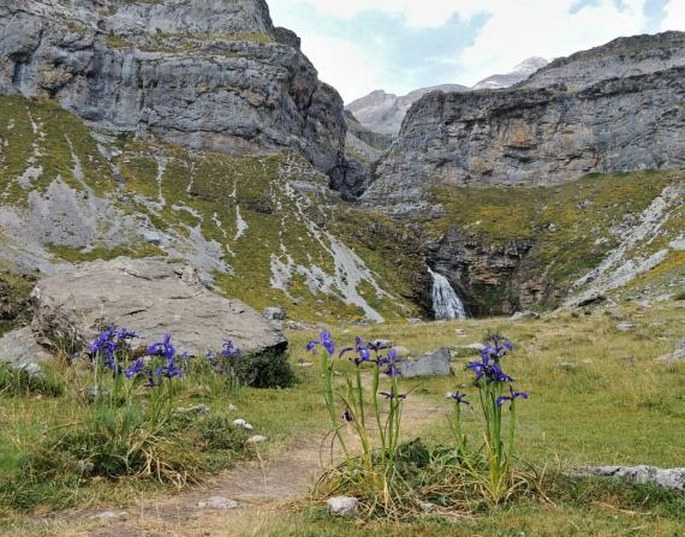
570 225
180 189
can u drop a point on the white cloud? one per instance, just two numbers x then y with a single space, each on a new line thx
341 64
675 16
417 13
516 31
501 34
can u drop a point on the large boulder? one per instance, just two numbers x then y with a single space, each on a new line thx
19 348
150 297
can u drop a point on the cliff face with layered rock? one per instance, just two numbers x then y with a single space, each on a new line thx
610 110
383 112
542 135
209 74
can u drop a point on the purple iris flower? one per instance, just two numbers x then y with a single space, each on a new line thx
458 397
125 333
492 372
136 367
108 342
228 350
169 370
325 340
163 348
363 352
391 363
496 349
392 395
512 395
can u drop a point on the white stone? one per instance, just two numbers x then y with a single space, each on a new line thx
343 506
218 503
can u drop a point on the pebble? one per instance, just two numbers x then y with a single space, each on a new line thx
218 503
343 506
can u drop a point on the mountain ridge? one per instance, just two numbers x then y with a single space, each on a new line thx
384 112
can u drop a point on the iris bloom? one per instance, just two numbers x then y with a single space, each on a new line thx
492 372
392 395
496 349
362 350
325 340
458 397
228 350
164 348
136 367
391 364
512 395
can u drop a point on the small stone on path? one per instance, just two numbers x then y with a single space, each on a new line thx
343 506
218 503
256 439
110 515
625 327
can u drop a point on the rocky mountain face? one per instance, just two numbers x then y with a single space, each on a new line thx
538 134
621 58
207 74
181 130
194 130
617 108
383 112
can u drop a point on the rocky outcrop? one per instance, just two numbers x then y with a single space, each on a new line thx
621 58
536 137
485 275
214 75
150 297
383 112
363 149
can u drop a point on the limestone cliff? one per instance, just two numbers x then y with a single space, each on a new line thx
537 137
209 74
493 176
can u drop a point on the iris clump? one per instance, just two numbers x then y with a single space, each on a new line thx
373 418
492 466
224 365
393 478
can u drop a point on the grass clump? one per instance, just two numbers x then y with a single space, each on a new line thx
129 423
16 381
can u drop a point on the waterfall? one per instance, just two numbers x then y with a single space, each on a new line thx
446 302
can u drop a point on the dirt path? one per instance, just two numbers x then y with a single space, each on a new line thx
261 488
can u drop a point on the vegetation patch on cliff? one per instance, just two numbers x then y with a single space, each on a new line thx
571 228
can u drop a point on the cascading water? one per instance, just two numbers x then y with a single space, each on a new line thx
446 302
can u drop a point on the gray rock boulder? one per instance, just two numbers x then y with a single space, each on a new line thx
20 348
432 363
150 297
670 478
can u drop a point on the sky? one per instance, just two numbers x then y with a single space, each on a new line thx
400 45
